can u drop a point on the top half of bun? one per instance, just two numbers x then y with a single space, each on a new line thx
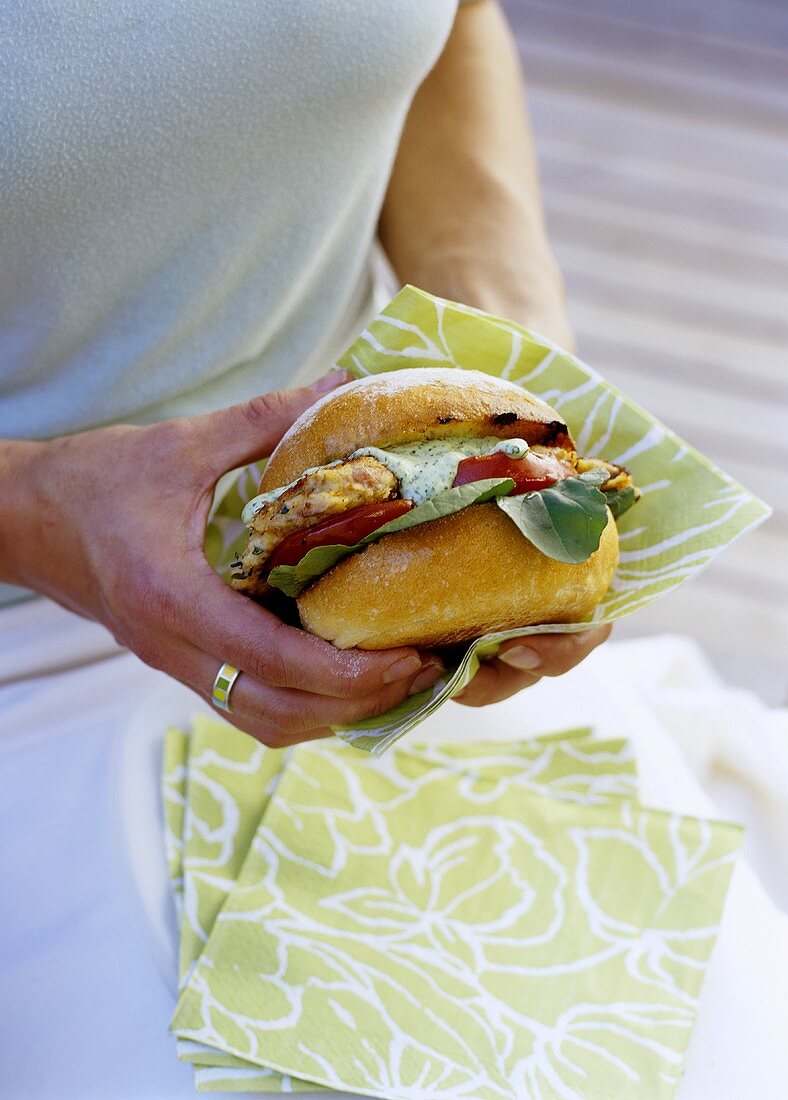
404 406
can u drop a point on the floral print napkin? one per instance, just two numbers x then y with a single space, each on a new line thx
444 922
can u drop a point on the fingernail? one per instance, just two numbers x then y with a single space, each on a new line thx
330 380
402 668
522 657
428 676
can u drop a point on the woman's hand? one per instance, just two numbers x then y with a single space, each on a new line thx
110 523
522 662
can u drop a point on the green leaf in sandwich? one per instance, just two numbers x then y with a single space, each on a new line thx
293 579
566 520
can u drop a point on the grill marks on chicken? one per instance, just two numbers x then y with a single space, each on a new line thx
326 492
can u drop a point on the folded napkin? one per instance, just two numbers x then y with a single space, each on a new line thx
427 926
230 781
690 510
174 779
231 778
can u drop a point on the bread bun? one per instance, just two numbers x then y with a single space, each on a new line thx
455 578
407 405
452 580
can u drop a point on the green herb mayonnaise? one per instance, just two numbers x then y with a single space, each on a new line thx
422 469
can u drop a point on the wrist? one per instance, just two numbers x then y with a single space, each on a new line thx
21 501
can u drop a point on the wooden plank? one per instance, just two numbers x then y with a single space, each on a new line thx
661 132
604 221
697 98
655 182
759 26
757 358
660 41
632 356
608 129
741 636
719 301
761 554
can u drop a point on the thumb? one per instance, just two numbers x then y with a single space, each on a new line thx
251 429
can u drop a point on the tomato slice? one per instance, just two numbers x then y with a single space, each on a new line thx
345 529
533 471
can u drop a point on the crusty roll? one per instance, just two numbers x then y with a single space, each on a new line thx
407 405
450 581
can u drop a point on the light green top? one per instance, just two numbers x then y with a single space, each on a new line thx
190 197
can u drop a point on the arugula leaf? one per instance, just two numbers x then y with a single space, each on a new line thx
621 500
597 476
293 579
565 521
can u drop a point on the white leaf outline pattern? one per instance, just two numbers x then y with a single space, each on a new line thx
655 1024
567 765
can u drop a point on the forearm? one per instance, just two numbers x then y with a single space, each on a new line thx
463 215
18 503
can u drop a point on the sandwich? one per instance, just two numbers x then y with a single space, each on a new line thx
427 507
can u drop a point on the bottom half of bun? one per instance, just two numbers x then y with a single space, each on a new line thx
450 581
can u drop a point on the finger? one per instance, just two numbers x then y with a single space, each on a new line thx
494 682
250 637
269 736
287 712
191 667
186 664
521 663
551 654
295 712
251 429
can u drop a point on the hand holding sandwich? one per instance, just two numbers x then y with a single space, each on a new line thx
110 524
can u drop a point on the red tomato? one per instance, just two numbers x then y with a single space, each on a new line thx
342 530
533 471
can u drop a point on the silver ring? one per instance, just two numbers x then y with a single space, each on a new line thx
223 685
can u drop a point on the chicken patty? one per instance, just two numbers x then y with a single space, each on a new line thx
619 476
326 492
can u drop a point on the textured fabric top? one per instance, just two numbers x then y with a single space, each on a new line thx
189 195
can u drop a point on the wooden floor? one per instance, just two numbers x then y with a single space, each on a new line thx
662 130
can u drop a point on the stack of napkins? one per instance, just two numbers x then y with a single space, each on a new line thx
495 920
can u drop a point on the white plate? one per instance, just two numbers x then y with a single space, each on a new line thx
137 784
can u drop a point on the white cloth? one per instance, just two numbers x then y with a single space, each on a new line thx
189 192
84 990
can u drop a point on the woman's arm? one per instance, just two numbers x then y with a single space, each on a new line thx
463 219
463 212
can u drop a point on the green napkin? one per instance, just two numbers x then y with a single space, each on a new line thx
690 511
566 764
173 788
230 781
401 931
231 778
